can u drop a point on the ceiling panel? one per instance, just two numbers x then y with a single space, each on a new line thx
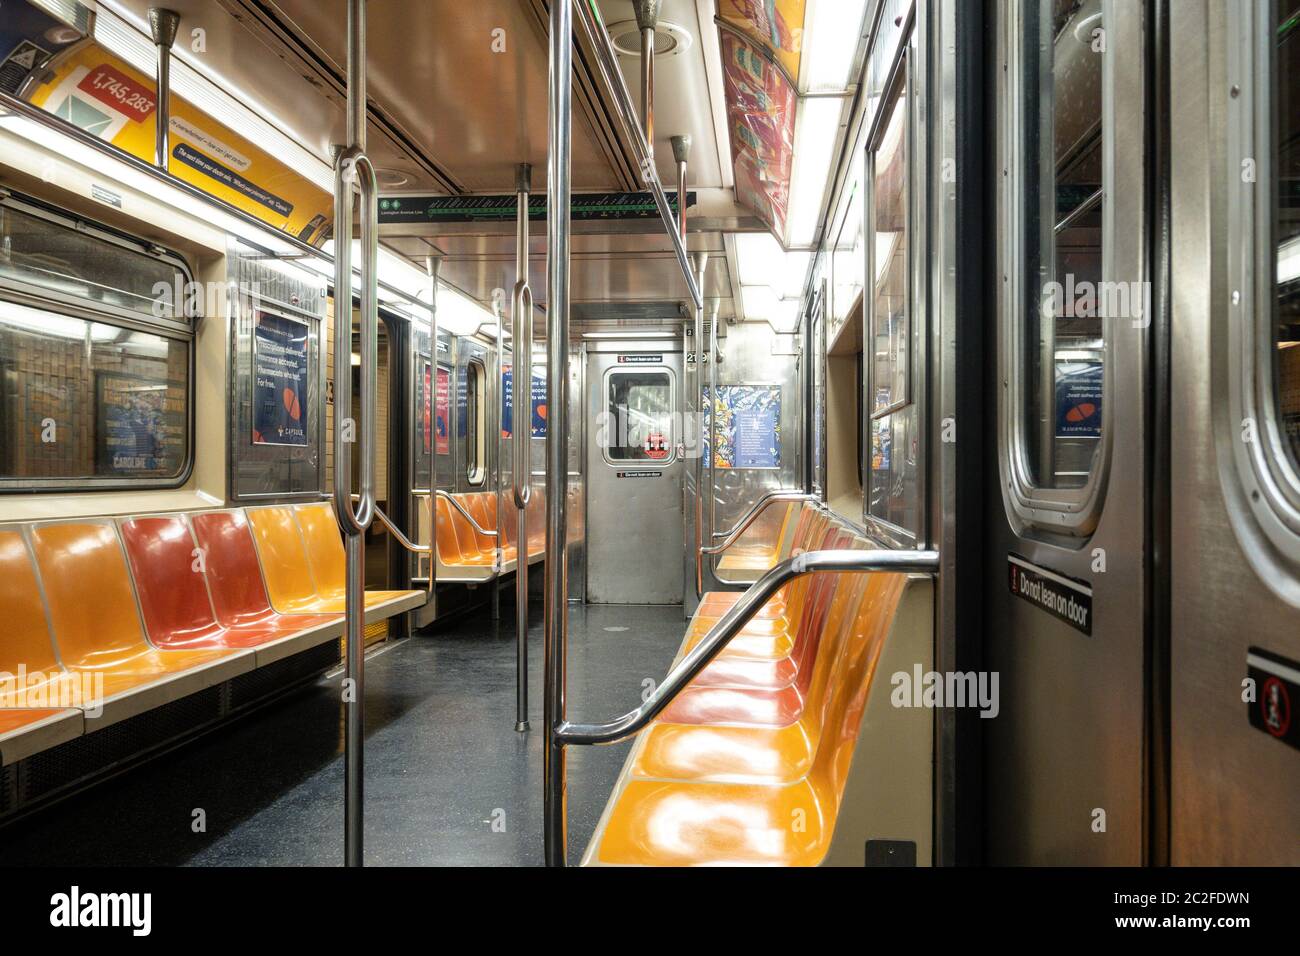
465 81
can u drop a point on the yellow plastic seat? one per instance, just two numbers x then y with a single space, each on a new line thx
328 562
303 561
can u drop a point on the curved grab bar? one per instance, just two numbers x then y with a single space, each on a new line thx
522 309
397 533
730 624
352 165
751 516
739 529
468 517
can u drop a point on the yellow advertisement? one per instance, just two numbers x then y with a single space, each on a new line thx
107 97
777 24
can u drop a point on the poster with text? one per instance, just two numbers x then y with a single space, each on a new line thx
1078 398
279 380
442 412
426 407
539 403
538 397
748 426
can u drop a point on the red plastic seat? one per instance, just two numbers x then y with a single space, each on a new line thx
170 572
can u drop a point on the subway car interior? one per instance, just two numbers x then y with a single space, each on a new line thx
908 473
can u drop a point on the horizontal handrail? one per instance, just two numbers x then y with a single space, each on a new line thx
467 516
751 516
731 623
607 60
396 532
407 543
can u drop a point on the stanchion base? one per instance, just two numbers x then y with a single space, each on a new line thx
522 726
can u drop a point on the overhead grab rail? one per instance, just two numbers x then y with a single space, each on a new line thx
352 167
607 61
566 733
451 499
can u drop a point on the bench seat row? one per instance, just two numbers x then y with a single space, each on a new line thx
107 618
466 556
749 764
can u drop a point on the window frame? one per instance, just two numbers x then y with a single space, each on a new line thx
672 404
35 296
901 79
1072 512
1263 470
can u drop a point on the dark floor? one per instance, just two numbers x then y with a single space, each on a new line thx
443 761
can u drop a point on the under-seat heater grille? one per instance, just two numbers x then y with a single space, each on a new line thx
8 798
249 688
101 750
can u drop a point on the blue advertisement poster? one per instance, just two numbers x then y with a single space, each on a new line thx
539 403
279 380
508 403
1078 398
748 426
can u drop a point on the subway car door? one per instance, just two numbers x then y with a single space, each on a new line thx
1235 434
634 474
1067 505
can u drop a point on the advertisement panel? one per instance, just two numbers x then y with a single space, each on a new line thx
107 97
279 380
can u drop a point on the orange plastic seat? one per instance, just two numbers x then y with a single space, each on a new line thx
26 652
789 744
760 548
663 823
102 636
470 542
710 795
709 700
448 545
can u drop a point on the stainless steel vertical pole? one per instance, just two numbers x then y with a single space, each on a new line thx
521 311
647 19
560 95
163 25
431 267
701 262
353 167
691 375
498 365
